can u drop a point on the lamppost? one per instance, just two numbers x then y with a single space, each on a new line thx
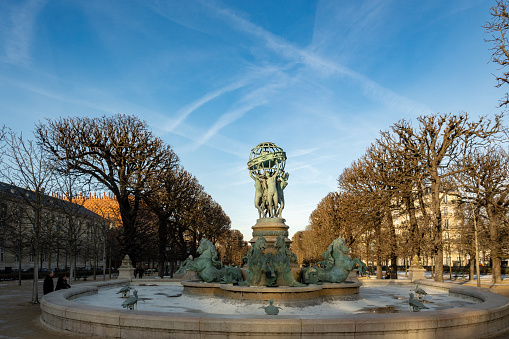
372 246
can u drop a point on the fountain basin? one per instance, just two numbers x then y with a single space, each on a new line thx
487 318
347 291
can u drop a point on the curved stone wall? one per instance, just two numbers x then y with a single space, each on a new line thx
485 319
326 291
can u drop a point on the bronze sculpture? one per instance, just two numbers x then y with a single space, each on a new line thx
266 167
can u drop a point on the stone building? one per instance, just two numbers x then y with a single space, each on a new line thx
63 224
453 229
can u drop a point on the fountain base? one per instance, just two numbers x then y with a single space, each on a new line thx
327 291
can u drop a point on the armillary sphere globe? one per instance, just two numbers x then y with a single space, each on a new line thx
265 160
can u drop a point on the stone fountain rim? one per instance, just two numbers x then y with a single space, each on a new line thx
488 299
489 317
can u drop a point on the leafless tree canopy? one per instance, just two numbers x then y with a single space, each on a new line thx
27 165
159 202
120 152
405 175
497 28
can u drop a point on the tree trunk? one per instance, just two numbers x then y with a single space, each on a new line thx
414 227
109 263
379 272
437 223
104 256
37 226
19 271
496 262
471 268
394 242
128 216
439 265
35 293
162 233
172 267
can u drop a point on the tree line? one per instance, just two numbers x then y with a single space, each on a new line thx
164 211
394 196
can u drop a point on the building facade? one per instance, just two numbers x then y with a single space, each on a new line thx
64 230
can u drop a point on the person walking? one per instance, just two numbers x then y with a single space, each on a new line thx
48 285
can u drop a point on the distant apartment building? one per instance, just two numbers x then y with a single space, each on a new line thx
453 228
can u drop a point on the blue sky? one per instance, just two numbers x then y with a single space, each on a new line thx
215 78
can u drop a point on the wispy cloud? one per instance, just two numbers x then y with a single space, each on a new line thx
184 112
18 32
91 100
302 152
327 67
253 74
291 56
227 119
252 100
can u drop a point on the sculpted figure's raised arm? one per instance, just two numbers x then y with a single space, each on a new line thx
266 167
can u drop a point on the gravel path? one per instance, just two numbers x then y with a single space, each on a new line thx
19 318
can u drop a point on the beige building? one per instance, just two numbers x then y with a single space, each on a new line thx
453 229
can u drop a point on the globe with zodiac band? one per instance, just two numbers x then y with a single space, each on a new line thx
266 159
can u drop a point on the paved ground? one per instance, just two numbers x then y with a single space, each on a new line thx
20 319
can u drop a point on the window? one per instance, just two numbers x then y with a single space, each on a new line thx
445 199
1 254
446 224
446 211
446 235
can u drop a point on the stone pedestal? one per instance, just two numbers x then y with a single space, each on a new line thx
126 270
270 229
415 273
126 273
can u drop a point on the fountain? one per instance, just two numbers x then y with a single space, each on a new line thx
271 275
272 271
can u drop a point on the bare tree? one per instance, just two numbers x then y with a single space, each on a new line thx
214 224
439 141
174 199
373 204
498 28
28 165
232 247
15 235
72 188
407 178
3 131
486 181
119 152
